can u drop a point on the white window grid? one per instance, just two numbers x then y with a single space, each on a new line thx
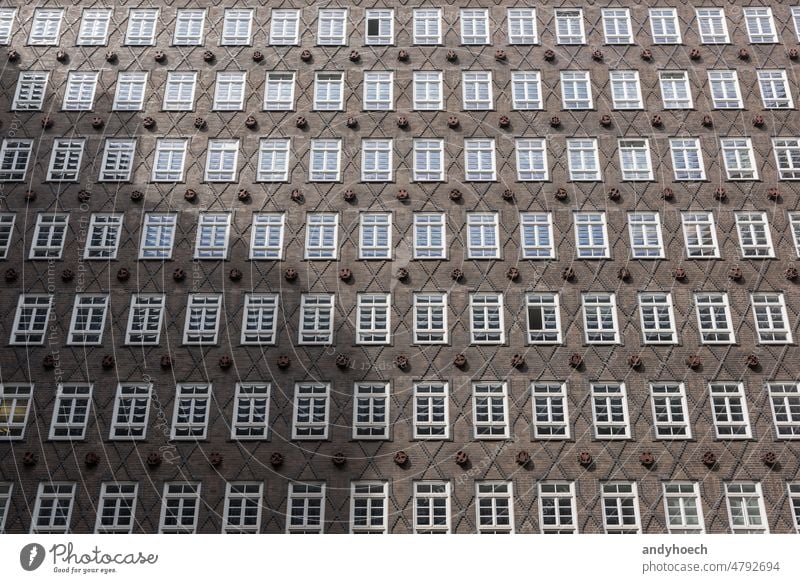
145 318
260 319
102 240
322 235
180 506
15 404
432 507
746 508
569 26
213 236
431 410
755 239
378 91
428 26
714 321
610 411
326 161
7 221
557 508
477 90
373 324
131 411
536 235
179 91
7 16
794 222
158 235
117 162
428 160
620 508
591 235
430 318
316 319
760 25
796 20
371 410
729 408
202 319
644 229
31 319
237 27
130 91
527 90
94 27
522 27
712 26
543 318
634 158
724 88
242 512
486 323
664 26
483 234
273 160
65 160
52 513
375 236
88 320
676 92
221 160
683 508
251 411
192 406
687 159
279 91
670 410
311 410
626 90
479 160
284 27
169 160
430 236
305 508
30 91
332 26
775 91
794 498
266 241
49 236
576 90
379 27
475 26
368 508
617 26
550 410
771 318
658 318
784 400
740 163
46 26
15 155
229 91
116 509
584 160
189 27
71 412
700 234
494 507
376 160
141 27
490 410
428 93
787 157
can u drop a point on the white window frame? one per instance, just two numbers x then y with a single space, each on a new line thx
377 160
647 240
634 159
46 26
522 26
117 502
203 315
619 500
378 91
760 25
173 519
332 26
475 26
273 159
794 223
428 153
30 91
479 160
787 157
103 237
243 503
526 91
65 160
49 236
755 239
427 23
742 499
626 89
317 311
490 416
430 323
428 227
94 27
536 235
213 235
89 312
284 28
369 501
687 159
322 236
664 26
374 318
739 159
229 91
222 158
237 27
432 507
558 513
676 92
191 411
71 411
7 16
117 163
189 27
670 410
145 319
796 20
375 236
260 319
130 92
683 508
771 318
591 235
428 92
371 408
610 416
477 90
483 235
31 320
16 400
52 513
158 235
714 322
325 160
384 17
712 25
267 236
494 507
486 318
548 330
784 400
15 158
432 410
279 89
310 424
7 222
794 500
728 402
584 160
700 235
569 26
550 410
169 159
131 411
617 26
776 92
723 86
305 508
141 27
179 91
250 418
657 318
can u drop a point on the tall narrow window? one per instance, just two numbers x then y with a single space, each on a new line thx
729 407
242 512
617 26
116 510
373 324
610 411
371 410
483 236
30 319
131 411
305 508
7 221
316 319
322 235
15 156
746 508
714 318
65 160
326 161
329 91
213 234
664 26
428 90
522 29
544 320
687 159
273 160
7 16
88 320
53 511
117 162
71 412
794 497
202 319
670 410
432 507
30 91
251 411
591 236
15 404
583 158
557 511
279 91
771 318
430 318
429 236
475 27
189 26
787 157
536 235
490 410
237 27
332 26
634 158
784 398
427 26
775 91
754 236
376 160
712 26
266 241
180 506
550 410
794 222
94 27
260 319
700 234
479 160
477 90
526 90
141 26
375 236
145 318
658 318
739 159
190 417
378 91
645 233
494 506
569 26
675 90
169 160
431 411
486 318
379 27
311 406
284 27
158 235
683 508
428 160
620 508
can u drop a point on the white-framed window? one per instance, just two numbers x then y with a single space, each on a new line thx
664 26
700 234
527 90
755 239
30 91
620 507
65 160
169 160
483 234
131 411
53 510
760 25
15 403
591 235
189 27
221 160
326 160
794 497
180 506
430 318
658 318
647 241
202 319
617 26
260 319
116 510
371 410
213 236
273 159
490 410
431 410
369 507
486 318
796 20
191 411
746 508
322 235
430 236
626 91
557 509
130 92
739 158
475 26
569 26
714 318
787 156
375 236
712 26
536 235
378 91
49 236
771 318
477 90
7 221
775 91
550 410
683 508
373 325
46 26
279 91
494 507
306 508
242 512
794 222
316 319
687 159
428 160
179 91
266 241
543 318
31 319
229 91
724 87
284 27
71 412
145 318
102 240
94 27
379 27
158 235
583 158
332 26
479 160
670 410
7 16
428 26
88 319
251 411
634 159
784 399
522 29
729 408
675 90
432 507
15 155
428 90
610 411
142 24
576 90
237 27
311 410
376 160
117 162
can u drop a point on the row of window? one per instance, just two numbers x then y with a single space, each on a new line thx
250 419
370 507
476 26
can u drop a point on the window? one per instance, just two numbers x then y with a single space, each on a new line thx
687 159
251 411
169 159
236 27
522 28
30 91
221 160
784 398
683 508
103 238
675 91
664 26
428 90
477 88
557 512
242 507
179 91
796 20
190 419
88 320
714 318
14 158
279 91
729 407
267 238
213 233
626 92
371 410
71 412
479 161
483 236
550 410
775 92
576 90
378 90
645 232
431 507
760 26
326 158
429 236
754 236
141 26
94 27
620 508
259 319
771 318
475 27
316 319
526 90
311 410
591 236
739 159
610 411
30 319
700 234
117 163
431 411
202 319
634 158
724 87
430 318
486 318
322 235
373 324
569 26
712 26
189 25
584 164
376 160
379 27
494 507
6 26
794 221
145 318
617 26
117 508
15 402
490 410
428 160
48 236
7 221
746 508
368 508
427 26
158 235
306 508
794 496
787 156
284 27
130 92
670 411
536 235
375 236
53 509
46 26
229 91
180 505
65 161
332 26
658 318
273 159
544 321
131 411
